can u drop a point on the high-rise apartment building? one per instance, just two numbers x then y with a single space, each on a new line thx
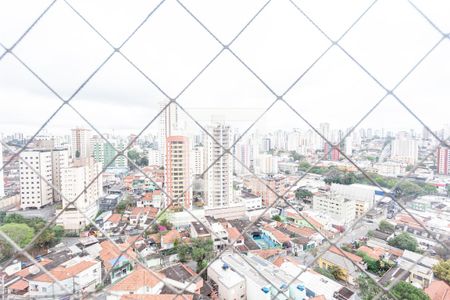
265 145
405 149
218 180
267 164
198 160
60 159
177 180
168 123
443 160
35 192
264 186
104 152
81 143
76 182
243 154
332 154
2 184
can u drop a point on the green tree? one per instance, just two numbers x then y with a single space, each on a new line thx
22 234
404 290
303 194
304 166
337 272
166 223
386 227
2 217
324 272
200 251
122 206
182 250
143 162
442 270
58 230
134 156
276 218
295 156
404 241
14 218
368 289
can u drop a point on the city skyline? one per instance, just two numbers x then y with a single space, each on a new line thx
303 149
324 94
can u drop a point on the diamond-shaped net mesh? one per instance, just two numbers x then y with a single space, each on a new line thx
220 51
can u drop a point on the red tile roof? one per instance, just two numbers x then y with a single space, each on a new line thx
281 237
353 257
282 259
234 234
302 231
438 290
374 253
62 273
150 211
19 285
170 236
115 218
157 297
267 253
109 252
140 277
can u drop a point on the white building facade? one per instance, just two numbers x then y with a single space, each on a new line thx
218 180
338 207
76 180
35 192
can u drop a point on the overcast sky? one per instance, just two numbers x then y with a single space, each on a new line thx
172 48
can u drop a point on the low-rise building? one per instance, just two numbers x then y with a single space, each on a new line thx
230 285
77 275
139 281
342 209
140 216
168 239
198 230
346 263
251 201
219 235
438 290
117 264
279 238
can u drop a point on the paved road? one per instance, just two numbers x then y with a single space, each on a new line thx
45 213
358 232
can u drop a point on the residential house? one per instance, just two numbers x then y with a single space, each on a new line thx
150 199
168 239
78 275
141 216
346 263
220 236
117 264
141 281
419 267
304 220
375 252
157 297
112 222
279 238
199 231
234 236
438 290
180 276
